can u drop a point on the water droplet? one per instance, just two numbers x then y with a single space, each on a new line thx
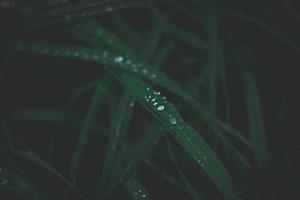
205 157
160 107
202 165
144 71
153 99
173 120
156 92
132 103
155 104
3 182
135 70
153 76
143 195
23 185
118 59
128 62
109 8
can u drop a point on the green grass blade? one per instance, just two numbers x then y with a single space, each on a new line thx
85 88
95 34
118 129
187 184
76 11
186 136
291 8
83 137
4 130
35 159
186 36
138 155
20 185
127 31
127 64
164 174
136 190
255 117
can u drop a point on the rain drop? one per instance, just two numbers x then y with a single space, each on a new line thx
160 107
173 121
156 92
119 59
109 8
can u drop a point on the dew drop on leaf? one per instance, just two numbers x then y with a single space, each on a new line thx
160 107
173 121
118 59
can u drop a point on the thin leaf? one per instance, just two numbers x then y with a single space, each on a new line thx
136 190
255 117
186 136
20 185
84 134
193 192
127 64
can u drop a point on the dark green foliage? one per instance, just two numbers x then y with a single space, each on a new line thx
128 99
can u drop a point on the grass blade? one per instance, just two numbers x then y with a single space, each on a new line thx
136 190
187 137
255 117
20 186
128 64
187 184
83 137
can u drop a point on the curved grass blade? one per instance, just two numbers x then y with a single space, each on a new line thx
97 35
291 8
186 36
97 101
255 117
136 189
127 64
118 129
45 115
164 81
164 174
186 136
187 184
20 185
89 86
73 12
127 30
139 154
5 132
34 158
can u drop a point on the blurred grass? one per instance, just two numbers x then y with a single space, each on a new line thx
109 122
